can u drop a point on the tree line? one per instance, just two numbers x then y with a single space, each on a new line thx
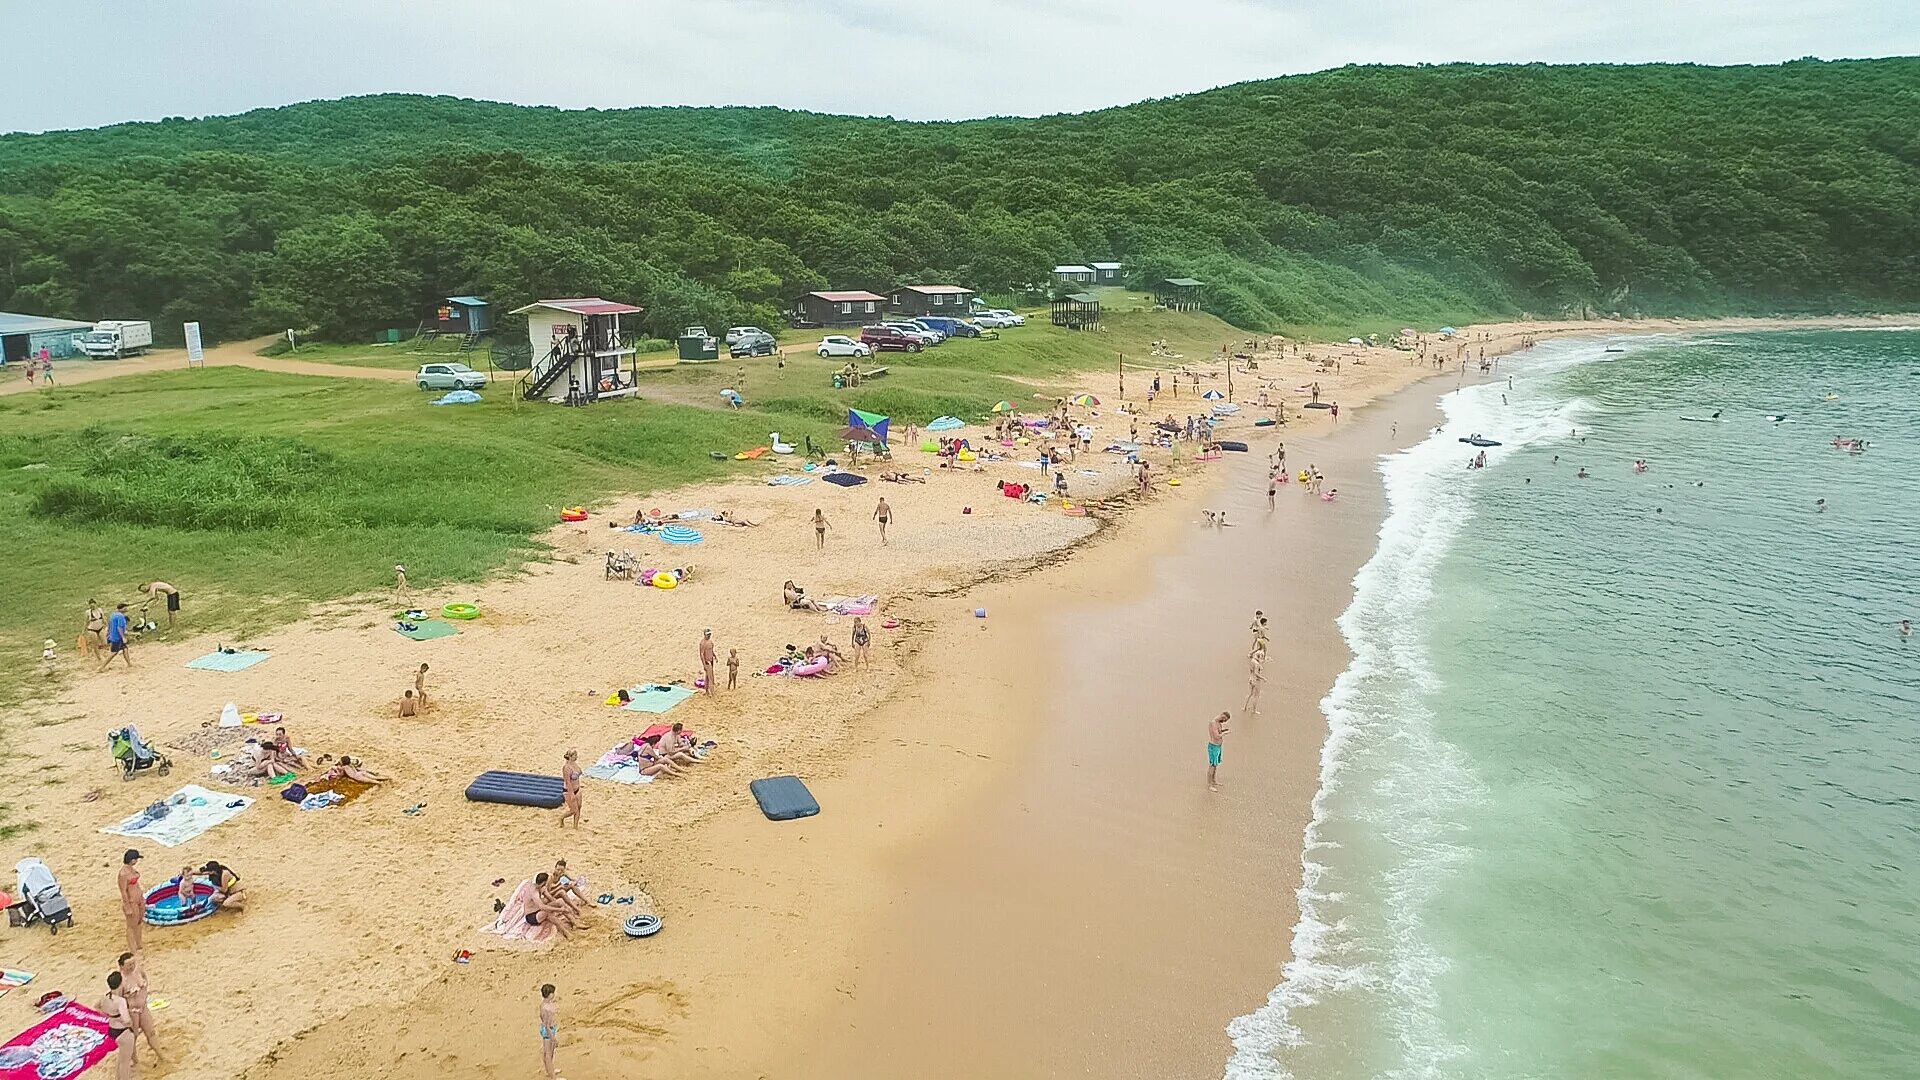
1424 192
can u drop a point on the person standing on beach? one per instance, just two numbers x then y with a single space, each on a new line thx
399 581
571 799
117 637
420 686
1273 486
1335 410
1216 744
820 528
133 986
884 513
156 589
1256 677
96 635
133 902
707 659
549 1031
733 668
862 637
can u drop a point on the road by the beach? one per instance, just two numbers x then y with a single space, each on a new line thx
231 354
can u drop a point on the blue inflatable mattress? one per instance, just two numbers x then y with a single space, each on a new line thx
783 798
516 789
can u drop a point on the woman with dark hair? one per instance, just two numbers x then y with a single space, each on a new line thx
119 1026
228 894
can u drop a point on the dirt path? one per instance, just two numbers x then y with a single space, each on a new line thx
231 354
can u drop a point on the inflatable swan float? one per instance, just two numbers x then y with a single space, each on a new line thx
778 446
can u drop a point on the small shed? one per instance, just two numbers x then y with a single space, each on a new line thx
845 308
577 345
23 336
1178 293
1077 311
1106 273
1073 274
463 315
916 300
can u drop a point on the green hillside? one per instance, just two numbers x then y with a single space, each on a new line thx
1439 193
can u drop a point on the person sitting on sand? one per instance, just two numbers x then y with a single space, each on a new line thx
677 747
259 761
826 648
651 760
795 598
544 912
561 898
566 884
228 893
283 749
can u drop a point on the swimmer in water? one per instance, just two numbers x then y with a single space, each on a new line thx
1906 627
1819 506
1582 474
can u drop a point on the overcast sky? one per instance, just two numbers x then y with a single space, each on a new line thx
81 63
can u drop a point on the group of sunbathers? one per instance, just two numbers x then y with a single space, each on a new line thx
669 753
271 759
558 901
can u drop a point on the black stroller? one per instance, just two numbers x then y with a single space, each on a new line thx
133 753
40 897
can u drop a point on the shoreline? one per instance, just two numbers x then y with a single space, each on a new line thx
764 920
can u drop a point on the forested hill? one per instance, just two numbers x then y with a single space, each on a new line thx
1406 193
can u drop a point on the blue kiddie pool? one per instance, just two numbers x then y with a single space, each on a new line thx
167 907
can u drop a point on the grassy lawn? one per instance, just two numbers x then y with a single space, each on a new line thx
260 493
403 356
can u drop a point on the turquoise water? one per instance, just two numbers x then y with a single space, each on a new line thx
1625 778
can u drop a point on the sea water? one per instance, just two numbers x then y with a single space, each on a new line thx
1624 780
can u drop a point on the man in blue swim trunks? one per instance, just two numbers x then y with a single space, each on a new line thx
1216 737
117 637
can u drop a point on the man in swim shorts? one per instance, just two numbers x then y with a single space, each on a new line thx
549 1030
156 589
1216 739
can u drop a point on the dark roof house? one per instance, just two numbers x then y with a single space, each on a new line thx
915 300
855 307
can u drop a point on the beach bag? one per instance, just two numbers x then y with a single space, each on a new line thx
294 793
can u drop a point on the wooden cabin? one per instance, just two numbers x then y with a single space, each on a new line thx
1105 273
1178 294
1072 274
1077 311
577 345
913 301
464 315
847 308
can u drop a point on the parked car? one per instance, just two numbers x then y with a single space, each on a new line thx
752 343
927 337
842 345
450 377
1013 318
990 320
950 326
735 333
879 338
935 325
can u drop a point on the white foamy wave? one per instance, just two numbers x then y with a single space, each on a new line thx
1388 781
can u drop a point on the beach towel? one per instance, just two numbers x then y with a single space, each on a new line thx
694 515
11 978
681 534
511 922
67 1043
749 455
623 771
946 423
458 397
225 661
852 605
656 698
190 811
845 479
426 629
789 480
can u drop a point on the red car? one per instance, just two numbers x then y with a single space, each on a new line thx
886 337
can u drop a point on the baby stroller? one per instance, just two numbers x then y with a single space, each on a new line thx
133 753
40 897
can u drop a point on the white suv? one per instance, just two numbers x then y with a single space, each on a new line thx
735 333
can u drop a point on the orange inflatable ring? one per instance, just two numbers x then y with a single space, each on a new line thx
574 513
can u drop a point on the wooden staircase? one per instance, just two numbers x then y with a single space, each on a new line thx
543 373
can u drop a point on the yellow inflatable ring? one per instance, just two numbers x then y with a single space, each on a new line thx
968 455
460 611
664 580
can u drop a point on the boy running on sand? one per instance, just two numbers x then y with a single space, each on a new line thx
1216 738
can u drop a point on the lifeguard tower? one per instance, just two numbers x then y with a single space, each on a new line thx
577 347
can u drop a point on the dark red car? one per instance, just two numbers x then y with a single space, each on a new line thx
886 337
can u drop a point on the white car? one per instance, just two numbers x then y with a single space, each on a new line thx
841 345
735 333
1013 318
990 320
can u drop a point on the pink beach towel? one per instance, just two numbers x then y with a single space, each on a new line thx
76 1035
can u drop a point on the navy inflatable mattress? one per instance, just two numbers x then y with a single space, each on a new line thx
783 798
516 789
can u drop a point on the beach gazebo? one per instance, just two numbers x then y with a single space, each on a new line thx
1178 293
1077 311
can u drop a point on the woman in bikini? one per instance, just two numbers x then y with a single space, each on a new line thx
651 761
570 774
133 994
228 893
861 637
133 902
119 1024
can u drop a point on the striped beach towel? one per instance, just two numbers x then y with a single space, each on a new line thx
789 480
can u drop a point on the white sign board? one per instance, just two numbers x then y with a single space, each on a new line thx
194 353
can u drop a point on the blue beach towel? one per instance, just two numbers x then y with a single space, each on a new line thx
225 661
655 698
789 480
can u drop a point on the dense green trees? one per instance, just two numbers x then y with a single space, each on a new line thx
1402 192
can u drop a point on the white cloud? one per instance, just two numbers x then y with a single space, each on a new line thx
923 59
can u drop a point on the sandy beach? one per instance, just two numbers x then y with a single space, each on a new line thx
1018 871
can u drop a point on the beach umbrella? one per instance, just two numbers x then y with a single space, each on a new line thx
1003 406
858 433
1213 395
1448 330
1085 400
875 424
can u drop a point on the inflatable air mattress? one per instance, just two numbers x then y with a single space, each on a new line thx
1239 446
783 798
845 479
516 789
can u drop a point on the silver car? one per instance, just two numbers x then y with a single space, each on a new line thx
450 377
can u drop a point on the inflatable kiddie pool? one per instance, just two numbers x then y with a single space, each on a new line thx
460 611
166 907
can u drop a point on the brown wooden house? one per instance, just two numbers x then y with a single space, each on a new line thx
846 308
913 301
